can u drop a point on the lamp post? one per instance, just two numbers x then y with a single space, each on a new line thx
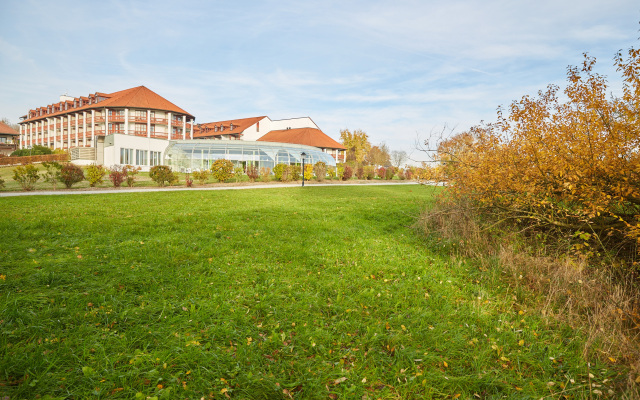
303 155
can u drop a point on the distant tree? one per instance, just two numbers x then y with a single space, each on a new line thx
357 144
379 155
398 158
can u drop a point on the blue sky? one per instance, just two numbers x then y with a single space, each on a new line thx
395 69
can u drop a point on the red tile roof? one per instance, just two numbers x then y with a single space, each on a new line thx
137 97
308 136
7 130
239 125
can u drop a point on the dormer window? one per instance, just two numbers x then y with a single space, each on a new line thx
215 128
231 126
221 127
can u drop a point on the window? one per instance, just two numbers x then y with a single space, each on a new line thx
154 158
126 156
141 157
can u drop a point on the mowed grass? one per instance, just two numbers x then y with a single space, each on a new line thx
318 292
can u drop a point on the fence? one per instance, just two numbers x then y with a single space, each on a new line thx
33 159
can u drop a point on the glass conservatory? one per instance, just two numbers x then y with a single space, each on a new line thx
192 155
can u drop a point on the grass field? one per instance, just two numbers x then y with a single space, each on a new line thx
319 292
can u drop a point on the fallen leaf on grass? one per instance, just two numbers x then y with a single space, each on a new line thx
339 380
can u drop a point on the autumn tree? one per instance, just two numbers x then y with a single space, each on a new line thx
568 162
357 144
379 155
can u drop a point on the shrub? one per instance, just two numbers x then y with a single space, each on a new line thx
320 169
389 173
381 172
308 172
340 171
408 175
360 172
95 174
1 183
162 175
238 172
117 175
52 174
130 173
71 174
34 151
295 172
265 174
188 181
26 175
369 172
347 173
222 170
201 176
332 173
282 172
252 172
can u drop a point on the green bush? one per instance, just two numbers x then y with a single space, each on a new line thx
320 169
52 174
340 171
34 151
282 172
222 170
26 175
1 183
201 176
162 175
95 174
71 174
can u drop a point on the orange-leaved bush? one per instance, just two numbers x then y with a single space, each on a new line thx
572 164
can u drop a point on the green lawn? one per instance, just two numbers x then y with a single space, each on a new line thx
318 292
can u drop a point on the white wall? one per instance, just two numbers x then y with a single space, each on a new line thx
112 151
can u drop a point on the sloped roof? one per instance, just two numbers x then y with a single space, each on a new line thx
307 136
239 125
7 130
137 97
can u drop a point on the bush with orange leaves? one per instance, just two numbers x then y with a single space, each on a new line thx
573 165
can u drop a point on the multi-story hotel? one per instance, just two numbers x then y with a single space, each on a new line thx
137 126
77 122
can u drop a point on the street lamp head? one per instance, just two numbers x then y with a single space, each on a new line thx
304 155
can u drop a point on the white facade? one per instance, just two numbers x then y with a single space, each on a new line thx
143 152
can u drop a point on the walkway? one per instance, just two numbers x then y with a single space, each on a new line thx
177 188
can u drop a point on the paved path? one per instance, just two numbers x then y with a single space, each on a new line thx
173 189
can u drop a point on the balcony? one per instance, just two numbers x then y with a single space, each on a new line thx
116 118
137 118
